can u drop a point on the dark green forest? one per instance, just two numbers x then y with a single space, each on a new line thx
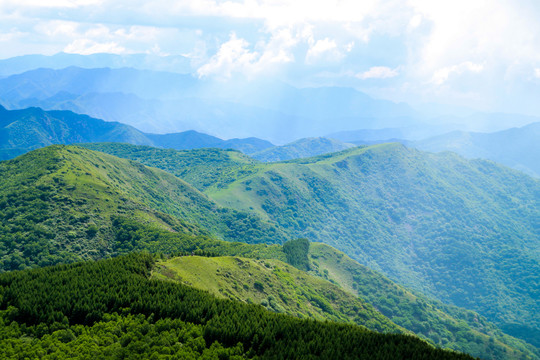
57 310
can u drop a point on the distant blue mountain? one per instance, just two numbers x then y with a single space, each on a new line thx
165 102
518 148
303 148
169 102
32 128
20 64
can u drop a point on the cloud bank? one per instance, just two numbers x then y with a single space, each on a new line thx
418 50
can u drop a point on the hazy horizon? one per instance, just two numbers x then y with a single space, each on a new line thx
478 55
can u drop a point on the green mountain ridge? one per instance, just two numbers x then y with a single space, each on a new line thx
57 204
91 205
201 168
465 232
435 222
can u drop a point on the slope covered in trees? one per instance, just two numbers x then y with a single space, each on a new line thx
201 168
115 306
57 204
445 325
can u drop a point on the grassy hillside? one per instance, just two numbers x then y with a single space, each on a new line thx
446 326
465 232
275 285
32 128
111 309
57 204
302 148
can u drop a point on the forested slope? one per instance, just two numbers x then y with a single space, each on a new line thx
112 309
445 325
57 204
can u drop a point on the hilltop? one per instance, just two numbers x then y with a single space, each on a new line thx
58 204
302 148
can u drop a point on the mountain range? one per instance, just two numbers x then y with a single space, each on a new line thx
31 128
62 204
517 148
437 223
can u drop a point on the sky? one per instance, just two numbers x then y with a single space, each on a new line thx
483 54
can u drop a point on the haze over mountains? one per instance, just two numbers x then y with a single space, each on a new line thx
161 102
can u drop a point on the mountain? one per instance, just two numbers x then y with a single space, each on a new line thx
31 128
58 204
63 203
517 147
365 136
156 102
437 223
440 224
195 140
160 102
201 168
19 64
301 149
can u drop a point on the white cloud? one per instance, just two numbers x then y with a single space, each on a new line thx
436 41
496 32
325 50
378 72
415 21
537 73
232 56
442 75
235 56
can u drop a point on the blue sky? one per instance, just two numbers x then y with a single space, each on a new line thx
481 53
